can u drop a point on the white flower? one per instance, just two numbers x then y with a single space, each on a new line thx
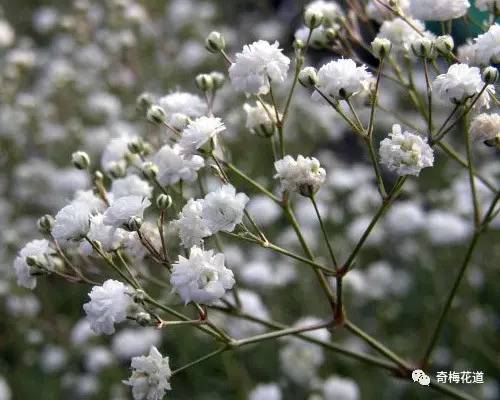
459 83
487 45
318 36
488 5
438 10
72 222
201 278
467 54
183 103
400 33
174 167
109 237
265 391
342 78
485 126
337 388
199 132
190 225
261 118
35 248
108 305
304 175
150 375
223 209
131 185
124 208
405 152
258 63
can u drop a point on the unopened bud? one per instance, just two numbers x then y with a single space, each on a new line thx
117 170
444 44
308 77
298 44
45 223
149 170
313 17
218 79
215 42
136 146
143 319
98 176
178 121
134 224
423 47
156 114
381 47
139 296
331 35
204 82
163 201
80 160
144 101
490 75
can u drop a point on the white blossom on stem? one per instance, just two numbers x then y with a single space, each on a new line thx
190 225
223 209
39 249
201 278
199 132
459 83
438 10
174 167
304 175
121 210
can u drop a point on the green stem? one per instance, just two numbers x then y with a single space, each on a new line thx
201 359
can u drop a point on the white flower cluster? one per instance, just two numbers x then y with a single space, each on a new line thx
220 210
201 278
405 153
459 83
150 376
304 175
438 10
259 64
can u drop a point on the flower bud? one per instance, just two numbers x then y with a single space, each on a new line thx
163 201
143 318
35 261
156 114
117 170
218 79
98 176
444 44
423 47
298 44
144 101
149 170
139 296
45 223
313 17
490 75
178 121
381 47
136 146
134 224
80 160
215 42
204 82
331 35
308 77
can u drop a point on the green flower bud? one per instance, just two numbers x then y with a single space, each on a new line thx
134 224
117 170
80 160
136 146
313 17
308 77
423 47
381 47
156 114
149 170
204 82
444 44
215 42
45 223
163 201
218 79
490 75
144 101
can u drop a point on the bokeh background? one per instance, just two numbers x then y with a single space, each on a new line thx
70 82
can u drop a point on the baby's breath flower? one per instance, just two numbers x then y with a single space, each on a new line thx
459 83
202 277
150 376
258 63
190 225
485 126
199 132
39 249
342 78
487 45
108 305
438 10
405 153
174 167
223 209
124 208
304 175
261 118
